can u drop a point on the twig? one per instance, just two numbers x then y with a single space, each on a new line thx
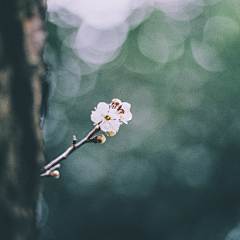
51 166
47 173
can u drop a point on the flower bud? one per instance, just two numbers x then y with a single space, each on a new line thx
101 138
55 174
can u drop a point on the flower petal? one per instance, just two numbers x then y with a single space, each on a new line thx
115 124
105 126
108 126
126 106
124 121
103 107
127 116
96 117
113 113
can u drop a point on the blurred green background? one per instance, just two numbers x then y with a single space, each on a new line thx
172 173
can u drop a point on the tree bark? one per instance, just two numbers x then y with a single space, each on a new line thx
22 37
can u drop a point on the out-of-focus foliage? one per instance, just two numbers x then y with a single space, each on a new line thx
173 173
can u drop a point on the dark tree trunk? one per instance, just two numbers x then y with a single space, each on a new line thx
22 37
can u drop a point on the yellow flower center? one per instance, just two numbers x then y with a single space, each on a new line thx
107 117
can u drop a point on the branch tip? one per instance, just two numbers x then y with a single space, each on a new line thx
50 167
74 140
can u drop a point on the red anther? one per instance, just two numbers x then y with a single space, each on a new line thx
121 111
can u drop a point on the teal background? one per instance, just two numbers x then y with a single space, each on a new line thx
173 172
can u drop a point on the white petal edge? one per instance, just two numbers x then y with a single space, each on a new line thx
103 107
127 116
126 106
96 117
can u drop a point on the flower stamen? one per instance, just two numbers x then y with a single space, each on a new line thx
107 117
121 111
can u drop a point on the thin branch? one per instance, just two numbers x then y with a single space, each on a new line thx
47 173
74 146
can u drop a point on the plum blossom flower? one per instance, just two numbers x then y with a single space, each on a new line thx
109 117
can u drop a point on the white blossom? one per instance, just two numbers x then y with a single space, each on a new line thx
109 117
